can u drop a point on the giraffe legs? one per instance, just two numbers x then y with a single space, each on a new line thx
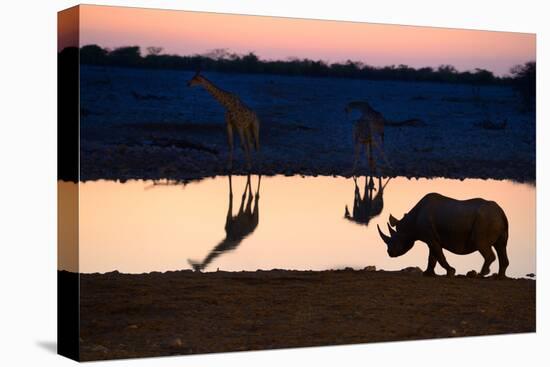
250 196
245 145
258 187
248 133
248 136
356 156
230 208
372 163
230 143
256 134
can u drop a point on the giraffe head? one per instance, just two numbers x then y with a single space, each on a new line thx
197 79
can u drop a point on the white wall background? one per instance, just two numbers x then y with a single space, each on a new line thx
28 181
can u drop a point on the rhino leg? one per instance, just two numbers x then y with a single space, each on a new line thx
432 261
438 251
502 259
489 256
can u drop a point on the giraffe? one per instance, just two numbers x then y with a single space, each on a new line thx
238 117
237 227
369 124
369 206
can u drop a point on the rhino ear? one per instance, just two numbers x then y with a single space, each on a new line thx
393 221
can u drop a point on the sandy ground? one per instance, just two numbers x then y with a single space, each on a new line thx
183 312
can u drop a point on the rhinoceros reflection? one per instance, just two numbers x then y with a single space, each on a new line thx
237 227
459 226
369 206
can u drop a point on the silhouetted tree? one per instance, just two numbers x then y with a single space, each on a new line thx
219 54
125 56
154 51
92 54
223 60
483 76
525 82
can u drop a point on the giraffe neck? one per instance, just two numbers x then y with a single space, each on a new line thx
223 97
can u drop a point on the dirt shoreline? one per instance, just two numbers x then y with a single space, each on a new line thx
183 312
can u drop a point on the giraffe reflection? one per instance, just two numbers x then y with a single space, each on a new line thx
237 227
369 206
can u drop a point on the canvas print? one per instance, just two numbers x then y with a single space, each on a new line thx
234 182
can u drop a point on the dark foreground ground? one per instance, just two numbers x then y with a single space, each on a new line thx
172 313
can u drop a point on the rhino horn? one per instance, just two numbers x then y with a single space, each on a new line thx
386 239
393 221
392 231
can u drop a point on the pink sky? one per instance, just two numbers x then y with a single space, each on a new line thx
184 33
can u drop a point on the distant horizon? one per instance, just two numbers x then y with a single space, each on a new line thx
143 50
186 33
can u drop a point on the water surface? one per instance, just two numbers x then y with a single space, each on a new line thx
292 223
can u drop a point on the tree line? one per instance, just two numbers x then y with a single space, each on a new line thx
522 77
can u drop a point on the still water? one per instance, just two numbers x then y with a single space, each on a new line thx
284 223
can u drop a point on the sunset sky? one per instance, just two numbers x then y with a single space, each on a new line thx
184 33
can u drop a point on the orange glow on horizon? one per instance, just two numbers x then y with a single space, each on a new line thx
184 33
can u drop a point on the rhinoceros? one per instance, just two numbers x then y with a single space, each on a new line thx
459 226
